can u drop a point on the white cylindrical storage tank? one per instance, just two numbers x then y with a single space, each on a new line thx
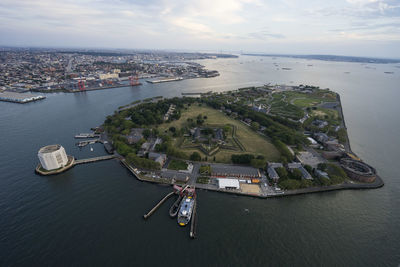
52 157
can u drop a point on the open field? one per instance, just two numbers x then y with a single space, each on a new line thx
251 141
250 188
304 100
331 113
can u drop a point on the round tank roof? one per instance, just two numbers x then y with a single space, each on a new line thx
50 148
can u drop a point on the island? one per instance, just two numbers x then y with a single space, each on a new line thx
266 141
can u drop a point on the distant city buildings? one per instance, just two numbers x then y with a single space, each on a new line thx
51 69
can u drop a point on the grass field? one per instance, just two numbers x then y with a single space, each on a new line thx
177 165
252 141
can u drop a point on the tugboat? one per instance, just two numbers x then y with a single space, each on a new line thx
185 210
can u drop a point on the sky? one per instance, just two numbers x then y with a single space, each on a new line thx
338 27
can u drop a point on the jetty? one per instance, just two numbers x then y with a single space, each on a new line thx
87 142
147 215
89 160
71 163
87 135
193 223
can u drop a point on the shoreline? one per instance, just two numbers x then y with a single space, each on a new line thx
378 183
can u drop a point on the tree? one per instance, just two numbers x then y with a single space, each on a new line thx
283 175
308 168
195 156
305 183
255 125
296 174
146 133
242 158
289 184
258 163
336 179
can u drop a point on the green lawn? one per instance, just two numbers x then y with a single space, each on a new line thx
177 165
252 141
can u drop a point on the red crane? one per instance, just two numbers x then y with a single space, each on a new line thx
81 85
134 80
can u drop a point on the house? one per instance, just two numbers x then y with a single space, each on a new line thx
135 135
304 172
321 174
225 170
320 123
160 158
271 170
321 137
219 135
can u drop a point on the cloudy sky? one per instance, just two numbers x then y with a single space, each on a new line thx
341 27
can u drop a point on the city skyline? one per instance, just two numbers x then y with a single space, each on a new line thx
354 27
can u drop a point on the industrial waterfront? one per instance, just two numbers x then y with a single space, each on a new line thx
92 214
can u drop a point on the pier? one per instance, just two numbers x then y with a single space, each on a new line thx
87 142
193 223
89 160
158 205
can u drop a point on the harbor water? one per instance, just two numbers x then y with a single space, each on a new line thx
93 213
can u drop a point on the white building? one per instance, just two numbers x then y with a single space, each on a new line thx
228 183
52 157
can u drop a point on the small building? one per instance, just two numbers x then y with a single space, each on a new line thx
304 172
52 157
160 158
175 175
321 174
321 137
312 141
272 174
320 123
228 184
135 135
225 170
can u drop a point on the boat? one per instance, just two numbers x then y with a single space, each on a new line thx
173 211
185 210
91 148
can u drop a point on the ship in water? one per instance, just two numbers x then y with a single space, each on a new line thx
185 210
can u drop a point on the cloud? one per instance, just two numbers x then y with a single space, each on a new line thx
197 23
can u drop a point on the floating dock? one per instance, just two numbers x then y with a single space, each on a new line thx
87 142
20 98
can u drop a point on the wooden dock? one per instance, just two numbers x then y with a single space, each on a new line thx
158 205
89 160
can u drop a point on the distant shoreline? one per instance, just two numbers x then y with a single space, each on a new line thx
333 58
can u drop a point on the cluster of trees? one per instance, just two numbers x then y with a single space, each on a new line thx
143 115
195 156
167 147
249 159
142 163
286 155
